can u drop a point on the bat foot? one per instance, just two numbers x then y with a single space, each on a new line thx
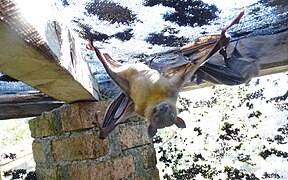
102 134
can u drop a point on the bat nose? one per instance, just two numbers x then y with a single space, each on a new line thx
164 107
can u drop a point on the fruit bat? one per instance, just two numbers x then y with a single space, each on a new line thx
152 94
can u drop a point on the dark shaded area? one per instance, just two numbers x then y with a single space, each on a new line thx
274 3
234 173
230 133
17 173
85 31
205 170
125 35
110 11
256 114
255 95
244 158
20 174
10 156
268 152
284 130
6 78
259 24
198 130
187 13
279 98
271 176
170 40
65 3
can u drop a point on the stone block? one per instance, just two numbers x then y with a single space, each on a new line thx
133 134
79 171
79 147
119 168
44 125
82 115
38 152
149 158
48 173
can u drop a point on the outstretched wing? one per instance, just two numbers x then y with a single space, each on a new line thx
186 71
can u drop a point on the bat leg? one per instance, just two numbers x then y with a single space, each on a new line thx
223 52
235 52
104 132
111 67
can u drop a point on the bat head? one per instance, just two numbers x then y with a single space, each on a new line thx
164 115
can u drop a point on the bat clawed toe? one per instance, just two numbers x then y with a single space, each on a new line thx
102 134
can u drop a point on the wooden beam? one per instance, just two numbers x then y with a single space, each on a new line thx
50 62
26 105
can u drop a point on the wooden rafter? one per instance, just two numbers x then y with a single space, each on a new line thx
26 105
51 64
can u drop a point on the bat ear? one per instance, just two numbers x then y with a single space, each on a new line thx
180 123
151 131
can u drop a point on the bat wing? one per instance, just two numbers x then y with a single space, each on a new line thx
119 110
218 74
199 46
185 73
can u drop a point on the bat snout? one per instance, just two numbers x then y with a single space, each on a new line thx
163 107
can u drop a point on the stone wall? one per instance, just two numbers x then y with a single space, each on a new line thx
67 146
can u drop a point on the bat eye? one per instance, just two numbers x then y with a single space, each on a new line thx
172 115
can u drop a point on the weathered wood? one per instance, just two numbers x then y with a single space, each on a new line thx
26 105
51 63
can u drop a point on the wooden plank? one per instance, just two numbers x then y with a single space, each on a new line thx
52 64
26 105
